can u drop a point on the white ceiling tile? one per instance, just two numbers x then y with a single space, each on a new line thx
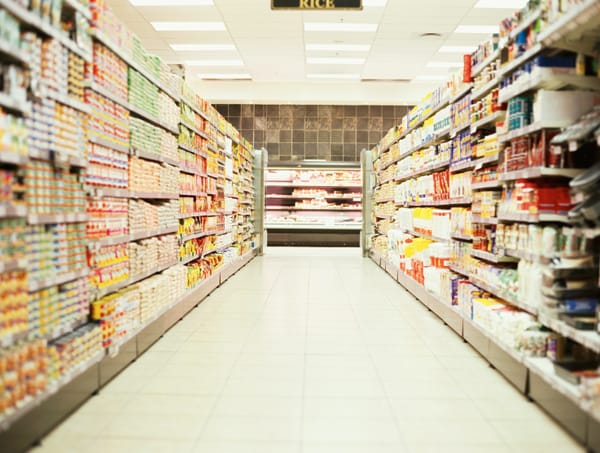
272 45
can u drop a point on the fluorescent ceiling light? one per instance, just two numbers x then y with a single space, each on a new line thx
457 49
226 76
333 76
374 3
444 64
171 2
188 26
430 77
501 4
340 27
477 29
201 47
234 62
339 47
334 60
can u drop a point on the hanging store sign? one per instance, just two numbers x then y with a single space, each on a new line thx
316 4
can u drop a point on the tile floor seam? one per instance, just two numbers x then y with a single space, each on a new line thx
338 371
470 397
239 354
380 380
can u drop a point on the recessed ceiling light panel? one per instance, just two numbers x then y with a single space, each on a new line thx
235 62
225 76
340 27
188 26
334 60
202 47
339 47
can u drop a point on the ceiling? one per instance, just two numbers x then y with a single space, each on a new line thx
271 48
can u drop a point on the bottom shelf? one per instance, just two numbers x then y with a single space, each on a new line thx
532 376
313 235
35 418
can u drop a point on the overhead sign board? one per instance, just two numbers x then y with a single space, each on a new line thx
316 4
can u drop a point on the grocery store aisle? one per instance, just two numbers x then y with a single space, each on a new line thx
309 350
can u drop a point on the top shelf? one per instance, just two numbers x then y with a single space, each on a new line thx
35 21
100 36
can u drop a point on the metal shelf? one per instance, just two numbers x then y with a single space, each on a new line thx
194 130
483 161
430 168
462 166
13 265
45 219
146 155
53 387
462 237
81 9
476 70
185 193
100 36
461 93
480 92
66 100
112 192
8 210
533 218
201 234
192 150
196 109
11 53
539 172
11 158
94 86
37 285
154 196
135 110
31 19
458 129
491 257
546 79
503 295
12 104
535 127
426 236
486 185
457 269
525 23
108 144
485 220
519 61
132 280
570 32
449 202
191 171
589 338
487 120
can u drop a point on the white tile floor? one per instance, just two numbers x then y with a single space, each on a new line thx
313 351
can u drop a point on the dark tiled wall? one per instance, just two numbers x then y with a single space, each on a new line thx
297 132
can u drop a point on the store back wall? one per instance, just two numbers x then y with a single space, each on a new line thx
335 133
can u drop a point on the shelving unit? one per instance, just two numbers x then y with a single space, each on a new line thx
494 176
313 205
95 240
